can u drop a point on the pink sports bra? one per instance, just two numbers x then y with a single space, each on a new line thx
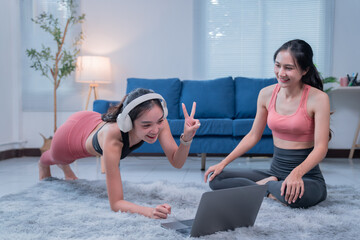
298 126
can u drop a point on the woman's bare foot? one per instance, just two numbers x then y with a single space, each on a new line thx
44 171
274 198
271 196
265 180
69 174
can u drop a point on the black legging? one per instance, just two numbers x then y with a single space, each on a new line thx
283 162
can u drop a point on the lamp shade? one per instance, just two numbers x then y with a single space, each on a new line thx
93 69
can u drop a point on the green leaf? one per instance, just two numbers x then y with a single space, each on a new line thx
330 80
44 60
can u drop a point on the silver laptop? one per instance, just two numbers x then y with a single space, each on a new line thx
222 210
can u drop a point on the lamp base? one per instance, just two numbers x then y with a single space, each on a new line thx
92 87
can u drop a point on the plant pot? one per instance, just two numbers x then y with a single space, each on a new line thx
46 145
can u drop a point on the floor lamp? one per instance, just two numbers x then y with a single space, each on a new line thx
93 70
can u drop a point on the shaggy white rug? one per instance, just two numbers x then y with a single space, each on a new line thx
58 209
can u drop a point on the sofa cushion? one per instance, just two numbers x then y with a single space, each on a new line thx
264 146
214 98
214 127
213 144
246 93
101 106
241 127
168 88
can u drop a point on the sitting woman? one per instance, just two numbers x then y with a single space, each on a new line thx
298 112
141 116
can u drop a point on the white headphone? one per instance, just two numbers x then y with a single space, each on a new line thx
124 121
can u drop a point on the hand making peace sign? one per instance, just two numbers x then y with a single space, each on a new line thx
191 124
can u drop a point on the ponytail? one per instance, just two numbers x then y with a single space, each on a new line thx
313 78
113 112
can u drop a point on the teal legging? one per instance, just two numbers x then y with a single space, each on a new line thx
283 162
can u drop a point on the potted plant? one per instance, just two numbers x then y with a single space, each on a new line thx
329 80
58 61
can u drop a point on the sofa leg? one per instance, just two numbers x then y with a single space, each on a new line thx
203 161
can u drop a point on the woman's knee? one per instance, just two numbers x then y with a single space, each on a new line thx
310 199
215 183
314 193
45 158
303 202
306 201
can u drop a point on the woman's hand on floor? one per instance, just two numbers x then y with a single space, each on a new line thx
292 187
161 211
215 170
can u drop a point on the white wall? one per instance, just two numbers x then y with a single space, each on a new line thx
10 123
344 121
346 51
148 39
346 59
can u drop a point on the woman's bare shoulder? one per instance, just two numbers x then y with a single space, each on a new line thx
266 92
112 132
317 94
318 99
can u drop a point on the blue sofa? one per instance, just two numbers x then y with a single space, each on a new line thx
226 108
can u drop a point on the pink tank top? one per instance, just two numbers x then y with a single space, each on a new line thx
298 126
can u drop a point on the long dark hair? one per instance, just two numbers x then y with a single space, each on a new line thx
302 53
136 112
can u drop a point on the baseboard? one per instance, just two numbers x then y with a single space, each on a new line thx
332 153
342 153
16 153
35 152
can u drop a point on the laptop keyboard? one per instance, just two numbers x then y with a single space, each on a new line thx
184 231
188 222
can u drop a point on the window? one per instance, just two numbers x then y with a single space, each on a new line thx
37 90
239 37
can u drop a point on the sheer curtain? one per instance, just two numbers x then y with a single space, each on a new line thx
37 90
239 37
